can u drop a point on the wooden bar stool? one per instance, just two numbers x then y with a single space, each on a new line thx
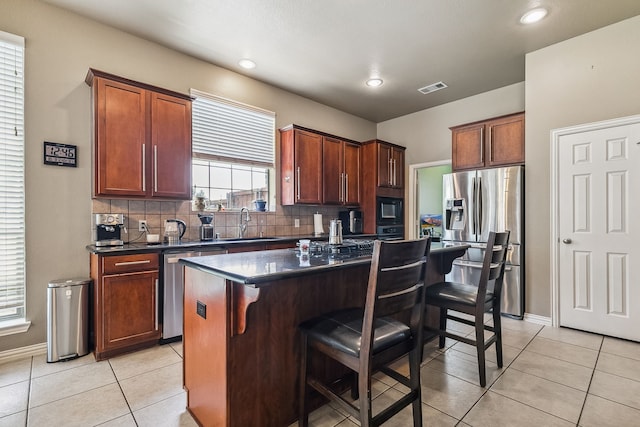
474 299
368 339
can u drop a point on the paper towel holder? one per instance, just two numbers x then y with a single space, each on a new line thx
318 230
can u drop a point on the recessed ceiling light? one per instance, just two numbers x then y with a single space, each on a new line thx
374 82
534 15
247 63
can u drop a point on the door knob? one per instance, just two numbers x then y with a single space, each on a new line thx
566 241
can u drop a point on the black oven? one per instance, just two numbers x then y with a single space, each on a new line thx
389 211
390 232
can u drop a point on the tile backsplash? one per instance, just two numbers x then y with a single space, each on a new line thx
279 223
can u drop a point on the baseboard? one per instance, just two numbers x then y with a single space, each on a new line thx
540 320
22 352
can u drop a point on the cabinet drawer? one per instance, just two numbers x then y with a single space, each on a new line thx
128 263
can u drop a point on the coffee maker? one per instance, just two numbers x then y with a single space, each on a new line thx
207 230
108 229
351 221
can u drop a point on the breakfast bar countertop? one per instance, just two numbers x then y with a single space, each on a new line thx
263 267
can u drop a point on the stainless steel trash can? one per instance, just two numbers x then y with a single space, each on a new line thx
67 319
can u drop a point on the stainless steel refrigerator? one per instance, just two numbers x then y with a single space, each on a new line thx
476 203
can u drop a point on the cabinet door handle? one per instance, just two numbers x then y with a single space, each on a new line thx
395 171
146 261
156 316
155 168
490 144
298 182
144 168
482 144
346 188
390 172
393 162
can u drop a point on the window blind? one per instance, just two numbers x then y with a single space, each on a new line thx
231 131
12 212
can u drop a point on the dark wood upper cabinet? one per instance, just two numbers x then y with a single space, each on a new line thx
142 139
383 167
382 176
317 168
490 143
120 138
340 172
352 171
300 167
171 145
390 166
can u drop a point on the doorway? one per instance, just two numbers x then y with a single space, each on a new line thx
595 251
425 199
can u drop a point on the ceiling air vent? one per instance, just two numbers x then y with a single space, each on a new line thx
432 88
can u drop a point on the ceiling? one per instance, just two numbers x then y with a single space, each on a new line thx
325 50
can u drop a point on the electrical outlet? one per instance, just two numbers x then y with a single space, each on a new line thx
296 223
201 309
142 225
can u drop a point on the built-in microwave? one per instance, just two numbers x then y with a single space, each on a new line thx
389 211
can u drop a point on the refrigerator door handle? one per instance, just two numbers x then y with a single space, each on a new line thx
473 213
479 206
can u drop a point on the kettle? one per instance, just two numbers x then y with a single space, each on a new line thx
335 232
174 229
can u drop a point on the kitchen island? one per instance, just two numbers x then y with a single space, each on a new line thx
241 343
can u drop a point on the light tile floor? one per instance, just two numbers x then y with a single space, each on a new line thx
551 377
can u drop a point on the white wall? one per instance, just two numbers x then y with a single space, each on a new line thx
60 48
426 133
586 79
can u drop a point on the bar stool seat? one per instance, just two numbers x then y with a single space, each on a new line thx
342 330
456 293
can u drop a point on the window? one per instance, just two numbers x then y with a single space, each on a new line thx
230 185
233 152
12 215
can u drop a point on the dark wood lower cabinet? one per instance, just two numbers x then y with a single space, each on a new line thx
125 303
129 307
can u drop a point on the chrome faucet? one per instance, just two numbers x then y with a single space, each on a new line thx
242 227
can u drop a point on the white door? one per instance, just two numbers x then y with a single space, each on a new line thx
599 230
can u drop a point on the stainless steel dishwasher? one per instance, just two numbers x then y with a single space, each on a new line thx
173 290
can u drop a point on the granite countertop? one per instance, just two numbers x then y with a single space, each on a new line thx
258 268
143 247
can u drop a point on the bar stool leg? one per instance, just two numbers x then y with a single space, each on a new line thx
479 324
303 416
497 328
364 391
443 326
415 358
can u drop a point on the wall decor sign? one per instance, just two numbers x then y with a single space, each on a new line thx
60 154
